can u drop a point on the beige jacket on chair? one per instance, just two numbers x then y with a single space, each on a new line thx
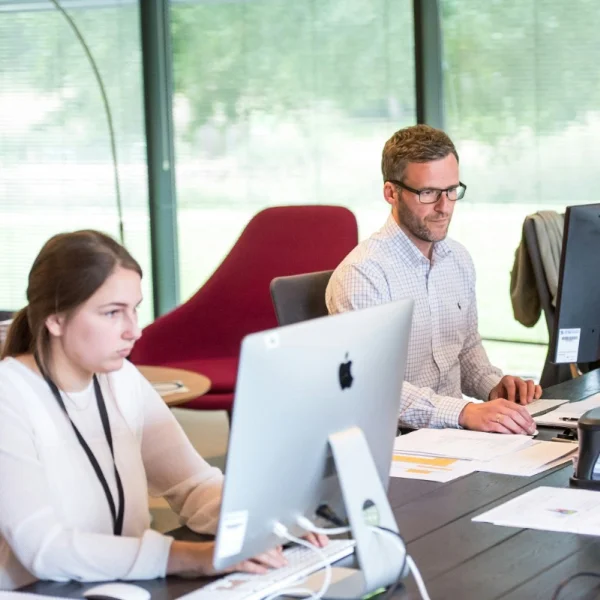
524 294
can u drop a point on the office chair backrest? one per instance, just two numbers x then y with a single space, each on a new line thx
300 297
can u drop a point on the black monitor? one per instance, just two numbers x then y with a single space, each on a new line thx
576 334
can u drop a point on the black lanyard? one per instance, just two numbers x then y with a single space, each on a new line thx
117 515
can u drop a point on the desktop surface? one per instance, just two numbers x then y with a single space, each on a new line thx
459 558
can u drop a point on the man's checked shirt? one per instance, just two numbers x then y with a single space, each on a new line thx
445 354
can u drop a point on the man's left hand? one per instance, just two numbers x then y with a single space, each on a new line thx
516 389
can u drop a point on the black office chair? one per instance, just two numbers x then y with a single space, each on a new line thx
299 298
551 373
5 315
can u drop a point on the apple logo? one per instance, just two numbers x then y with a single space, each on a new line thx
345 375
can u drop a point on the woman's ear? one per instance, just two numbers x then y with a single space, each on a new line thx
55 325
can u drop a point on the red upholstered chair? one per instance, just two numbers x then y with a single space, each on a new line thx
204 333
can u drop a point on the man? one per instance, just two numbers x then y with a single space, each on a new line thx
411 257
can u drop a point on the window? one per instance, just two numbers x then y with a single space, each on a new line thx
56 171
522 107
280 102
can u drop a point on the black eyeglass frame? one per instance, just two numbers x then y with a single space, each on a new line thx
460 187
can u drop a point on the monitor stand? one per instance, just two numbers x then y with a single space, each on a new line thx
379 555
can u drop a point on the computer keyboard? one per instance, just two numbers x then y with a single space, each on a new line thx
247 586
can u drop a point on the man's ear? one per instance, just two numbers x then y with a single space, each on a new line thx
55 324
389 193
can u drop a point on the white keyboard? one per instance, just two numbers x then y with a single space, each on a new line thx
247 586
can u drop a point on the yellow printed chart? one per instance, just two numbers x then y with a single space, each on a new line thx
431 468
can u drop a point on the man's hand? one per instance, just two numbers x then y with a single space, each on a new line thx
499 416
515 389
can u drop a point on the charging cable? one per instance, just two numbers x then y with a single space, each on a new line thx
282 531
308 525
418 579
407 561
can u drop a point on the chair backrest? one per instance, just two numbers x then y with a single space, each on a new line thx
235 301
300 297
552 374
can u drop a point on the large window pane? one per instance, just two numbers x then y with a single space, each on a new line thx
522 106
282 102
56 171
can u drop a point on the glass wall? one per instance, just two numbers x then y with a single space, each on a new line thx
522 104
280 102
56 170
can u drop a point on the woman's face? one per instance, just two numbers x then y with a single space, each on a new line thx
100 333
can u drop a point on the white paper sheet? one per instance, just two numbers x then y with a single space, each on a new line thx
568 414
550 509
530 460
556 463
576 409
430 468
459 443
539 406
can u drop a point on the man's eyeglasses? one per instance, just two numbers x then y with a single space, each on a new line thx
432 195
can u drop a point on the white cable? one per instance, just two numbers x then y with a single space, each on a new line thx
409 561
396 539
308 525
282 531
417 575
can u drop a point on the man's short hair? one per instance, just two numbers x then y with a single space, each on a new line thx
418 144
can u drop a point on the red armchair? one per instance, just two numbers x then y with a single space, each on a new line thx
204 333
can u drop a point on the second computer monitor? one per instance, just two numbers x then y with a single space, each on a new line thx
576 335
298 385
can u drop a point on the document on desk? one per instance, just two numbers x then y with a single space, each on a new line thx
531 460
550 509
543 406
430 468
167 388
459 443
568 414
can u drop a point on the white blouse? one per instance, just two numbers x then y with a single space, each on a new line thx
55 522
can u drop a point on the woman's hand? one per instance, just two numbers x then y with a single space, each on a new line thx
317 539
272 559
195 559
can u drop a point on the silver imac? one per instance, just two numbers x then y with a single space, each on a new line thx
314 422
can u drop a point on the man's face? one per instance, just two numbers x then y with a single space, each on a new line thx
425 222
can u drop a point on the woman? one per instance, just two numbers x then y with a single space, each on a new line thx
84 437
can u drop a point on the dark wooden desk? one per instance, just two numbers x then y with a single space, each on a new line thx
460 559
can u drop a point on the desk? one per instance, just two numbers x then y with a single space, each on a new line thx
459 559
196 384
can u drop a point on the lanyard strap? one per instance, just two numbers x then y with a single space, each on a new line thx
117 515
